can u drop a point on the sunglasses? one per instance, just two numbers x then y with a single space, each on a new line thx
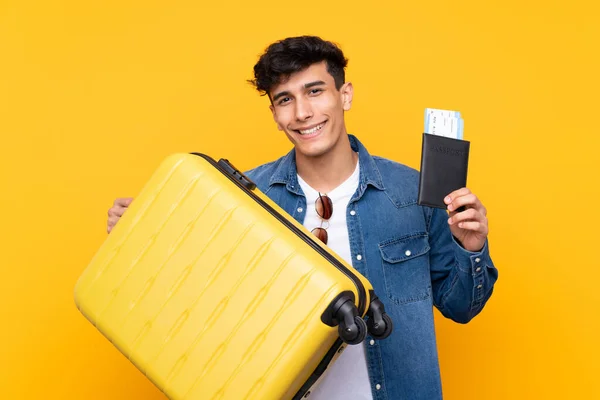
324 208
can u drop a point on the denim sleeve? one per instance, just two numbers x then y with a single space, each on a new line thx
462 281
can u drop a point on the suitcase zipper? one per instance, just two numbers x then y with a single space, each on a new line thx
231 172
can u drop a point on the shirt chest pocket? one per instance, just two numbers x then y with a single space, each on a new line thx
405 264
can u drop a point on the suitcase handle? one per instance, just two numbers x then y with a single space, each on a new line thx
237 174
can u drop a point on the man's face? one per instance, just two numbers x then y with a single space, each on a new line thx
310 110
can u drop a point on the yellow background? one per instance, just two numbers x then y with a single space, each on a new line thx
93 95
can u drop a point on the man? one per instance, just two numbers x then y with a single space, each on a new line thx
364 208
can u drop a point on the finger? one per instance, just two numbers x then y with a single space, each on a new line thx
468 200
457 193
470 214
474 226
112 221
123 202
116 211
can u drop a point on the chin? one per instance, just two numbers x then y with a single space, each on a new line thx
314 149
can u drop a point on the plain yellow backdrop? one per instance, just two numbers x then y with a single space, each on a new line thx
93 95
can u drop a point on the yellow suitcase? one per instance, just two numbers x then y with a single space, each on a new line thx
214 292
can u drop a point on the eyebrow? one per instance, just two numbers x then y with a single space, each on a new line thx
306 86
315 83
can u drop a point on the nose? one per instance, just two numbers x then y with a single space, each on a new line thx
303 110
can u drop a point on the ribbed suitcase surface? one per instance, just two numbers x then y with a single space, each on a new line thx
208 294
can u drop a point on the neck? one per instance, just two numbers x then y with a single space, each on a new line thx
326 172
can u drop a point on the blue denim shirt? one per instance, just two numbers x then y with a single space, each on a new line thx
412 260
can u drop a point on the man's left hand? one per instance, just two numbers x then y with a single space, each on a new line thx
469 226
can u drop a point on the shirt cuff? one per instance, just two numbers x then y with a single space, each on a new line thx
471 261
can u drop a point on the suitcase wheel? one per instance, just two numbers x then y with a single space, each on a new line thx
353 333
379 323
380 330
342 313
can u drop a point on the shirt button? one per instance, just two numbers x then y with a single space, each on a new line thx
477 259
478 286
478 269
378 386
300 209
359 257
408 253
372 342
352 212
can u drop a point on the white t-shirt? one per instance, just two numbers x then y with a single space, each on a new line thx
348 377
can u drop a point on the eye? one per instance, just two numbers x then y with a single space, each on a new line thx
284 101
315 91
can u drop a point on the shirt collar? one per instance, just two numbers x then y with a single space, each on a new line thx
287 174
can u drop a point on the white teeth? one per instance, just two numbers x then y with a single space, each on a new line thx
312 130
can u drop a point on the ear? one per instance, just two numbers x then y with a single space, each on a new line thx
347 92
275 117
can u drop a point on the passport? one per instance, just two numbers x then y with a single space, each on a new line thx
444 158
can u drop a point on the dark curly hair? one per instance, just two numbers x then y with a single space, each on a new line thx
290 55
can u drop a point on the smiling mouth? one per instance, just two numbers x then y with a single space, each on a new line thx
312 130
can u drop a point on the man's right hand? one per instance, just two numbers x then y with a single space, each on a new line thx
116 211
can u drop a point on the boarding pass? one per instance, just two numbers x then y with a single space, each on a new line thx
444 123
